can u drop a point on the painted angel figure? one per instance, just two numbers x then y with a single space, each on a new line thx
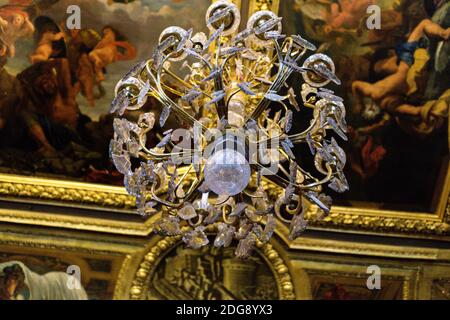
415 92
80 43
14 24
396 83
44 48
107 51
347 13
334 23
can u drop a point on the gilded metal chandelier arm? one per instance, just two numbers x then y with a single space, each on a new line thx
181 81
295 138
320 182
194 187
169 102
222 108
285 182
221 105
278 50
301 137
151 155
277 179
204 61
281 78
293 56
185 174
164 202
274 177
225 218
252 195
188 196
220 201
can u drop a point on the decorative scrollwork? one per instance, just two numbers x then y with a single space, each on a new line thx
140 285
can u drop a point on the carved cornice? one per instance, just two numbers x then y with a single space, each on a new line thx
35 240
380 223
89 223
12 186
360 248
367 249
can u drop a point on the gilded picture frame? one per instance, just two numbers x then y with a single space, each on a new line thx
101 198
432 224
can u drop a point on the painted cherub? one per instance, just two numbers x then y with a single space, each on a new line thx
347 14
400 65
107 51
14 24
335 22
424 119
44 49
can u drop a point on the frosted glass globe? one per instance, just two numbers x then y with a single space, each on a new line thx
227 172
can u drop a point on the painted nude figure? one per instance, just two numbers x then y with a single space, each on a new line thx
347 13
399 65
14 24
106 52
45 46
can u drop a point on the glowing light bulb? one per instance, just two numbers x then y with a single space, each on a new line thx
227 172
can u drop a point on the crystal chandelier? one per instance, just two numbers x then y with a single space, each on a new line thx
229 96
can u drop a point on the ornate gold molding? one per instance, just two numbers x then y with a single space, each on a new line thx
354 247
62 191
375 250
19 237
88 223
122 277
148 265
383 221
351 219
258 5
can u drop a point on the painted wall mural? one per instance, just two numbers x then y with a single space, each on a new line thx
396 84
56 85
